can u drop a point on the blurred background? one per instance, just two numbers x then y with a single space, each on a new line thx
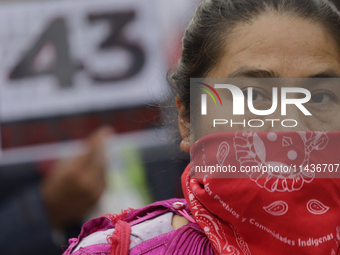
68 68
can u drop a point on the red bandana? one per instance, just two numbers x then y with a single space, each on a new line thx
267 212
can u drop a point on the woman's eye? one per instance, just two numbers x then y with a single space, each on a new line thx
256 96
321 98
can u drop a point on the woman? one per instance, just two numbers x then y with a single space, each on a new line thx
267 213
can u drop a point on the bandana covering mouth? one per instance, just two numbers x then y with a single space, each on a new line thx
295 212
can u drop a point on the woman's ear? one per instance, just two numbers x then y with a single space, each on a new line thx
184 126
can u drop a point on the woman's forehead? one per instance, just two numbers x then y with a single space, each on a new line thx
287 46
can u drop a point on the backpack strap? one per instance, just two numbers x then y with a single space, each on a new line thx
155 209
120 238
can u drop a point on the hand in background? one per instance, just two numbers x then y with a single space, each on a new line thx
75 185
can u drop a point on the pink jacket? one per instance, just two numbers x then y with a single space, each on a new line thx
146 230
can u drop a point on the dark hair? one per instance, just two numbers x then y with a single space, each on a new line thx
206 35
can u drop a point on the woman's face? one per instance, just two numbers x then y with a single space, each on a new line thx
279 46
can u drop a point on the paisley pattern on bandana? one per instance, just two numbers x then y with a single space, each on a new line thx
267 212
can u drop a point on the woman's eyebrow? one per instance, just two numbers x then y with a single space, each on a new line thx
258 73
253 73
326 74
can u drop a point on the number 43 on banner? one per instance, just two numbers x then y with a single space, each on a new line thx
54 40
